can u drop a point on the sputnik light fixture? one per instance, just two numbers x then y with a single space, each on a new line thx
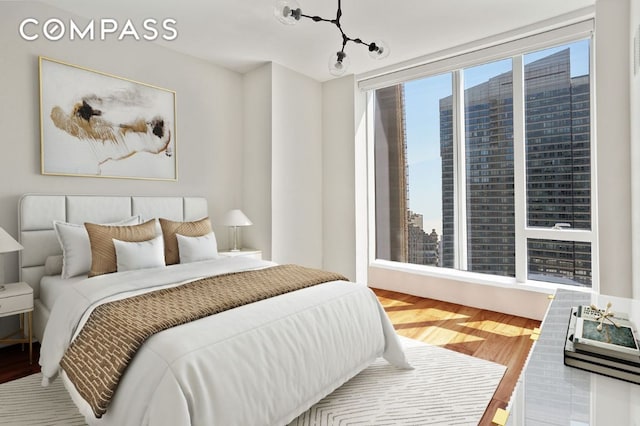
289 12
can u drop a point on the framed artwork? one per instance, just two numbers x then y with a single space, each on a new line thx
97 124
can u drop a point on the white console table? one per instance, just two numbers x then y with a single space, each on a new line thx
550 393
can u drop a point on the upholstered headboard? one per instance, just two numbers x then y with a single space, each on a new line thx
36 214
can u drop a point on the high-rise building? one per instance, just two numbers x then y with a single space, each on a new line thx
557 111
557 149
489 176
423 248
392 228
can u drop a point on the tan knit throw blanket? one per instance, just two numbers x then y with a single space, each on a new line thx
97 358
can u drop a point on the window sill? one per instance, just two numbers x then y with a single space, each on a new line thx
475 278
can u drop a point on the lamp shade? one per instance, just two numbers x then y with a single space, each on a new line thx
235 217
287 11
338 63
379 49
8 243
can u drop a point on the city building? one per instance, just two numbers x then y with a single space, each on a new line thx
423 248
558 171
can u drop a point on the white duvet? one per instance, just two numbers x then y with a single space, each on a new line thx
259 364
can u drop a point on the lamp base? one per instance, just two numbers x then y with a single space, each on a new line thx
235 239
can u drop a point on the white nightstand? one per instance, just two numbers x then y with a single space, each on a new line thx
17 299
248 252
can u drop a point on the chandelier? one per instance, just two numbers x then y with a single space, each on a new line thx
289 12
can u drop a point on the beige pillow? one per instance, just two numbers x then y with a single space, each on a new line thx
170 228
103 252
53 265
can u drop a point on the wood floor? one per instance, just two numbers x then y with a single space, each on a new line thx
493 336
14 362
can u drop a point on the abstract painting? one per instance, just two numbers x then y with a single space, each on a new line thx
97 124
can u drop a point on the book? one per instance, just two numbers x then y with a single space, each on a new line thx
624 368
604 370
604 361
615 336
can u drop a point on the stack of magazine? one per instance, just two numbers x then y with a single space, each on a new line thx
611 349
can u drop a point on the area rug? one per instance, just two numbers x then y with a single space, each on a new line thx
445 388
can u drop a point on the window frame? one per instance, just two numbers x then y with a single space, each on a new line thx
454 64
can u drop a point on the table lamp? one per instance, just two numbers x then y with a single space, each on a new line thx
235 218
7 245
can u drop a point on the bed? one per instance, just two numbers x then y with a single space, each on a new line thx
261 363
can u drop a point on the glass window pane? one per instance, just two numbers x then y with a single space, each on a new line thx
488 107
429 132
416 200
390 167
560 262
557 117
413 134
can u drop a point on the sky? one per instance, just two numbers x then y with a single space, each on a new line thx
422 121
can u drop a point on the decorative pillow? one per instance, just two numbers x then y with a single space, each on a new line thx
53 265
195 249
139 255
103 252
76 250
170 228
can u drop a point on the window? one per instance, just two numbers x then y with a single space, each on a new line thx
487 168
409 121
489 173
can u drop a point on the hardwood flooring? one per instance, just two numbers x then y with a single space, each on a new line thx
493 336
14 362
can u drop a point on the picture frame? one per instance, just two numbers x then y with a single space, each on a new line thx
95 124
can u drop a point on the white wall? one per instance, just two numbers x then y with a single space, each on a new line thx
296 174
256 202
209 123
298 168
613 146
209 118
283 165
338 185
634 74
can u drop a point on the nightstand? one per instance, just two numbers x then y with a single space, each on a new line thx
17 298
248 252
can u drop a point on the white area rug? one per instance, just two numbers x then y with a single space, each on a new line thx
445 388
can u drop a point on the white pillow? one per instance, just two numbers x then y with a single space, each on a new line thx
139 255
195 249
76 250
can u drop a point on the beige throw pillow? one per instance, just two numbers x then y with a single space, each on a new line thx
170 228
103 252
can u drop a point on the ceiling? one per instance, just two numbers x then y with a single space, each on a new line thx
243 34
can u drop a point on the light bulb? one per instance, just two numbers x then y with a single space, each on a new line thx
338 63
287 11
380 51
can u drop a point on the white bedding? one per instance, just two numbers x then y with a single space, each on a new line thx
51 286
259 364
